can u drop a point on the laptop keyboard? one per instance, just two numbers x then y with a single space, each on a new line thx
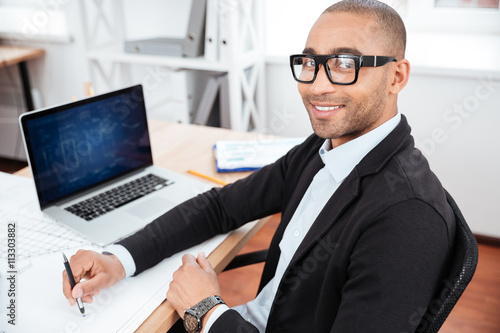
105 202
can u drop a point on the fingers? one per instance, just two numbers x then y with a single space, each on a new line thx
200 261
192 282
81 263
90 298
78 263
90 287
188 259
99 271
203 262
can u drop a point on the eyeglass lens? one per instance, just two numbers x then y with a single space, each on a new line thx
341 70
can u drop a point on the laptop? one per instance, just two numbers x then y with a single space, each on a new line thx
93 168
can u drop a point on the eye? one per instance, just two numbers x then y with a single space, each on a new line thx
308 63
341 64
345 63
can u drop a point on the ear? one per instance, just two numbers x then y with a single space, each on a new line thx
400 77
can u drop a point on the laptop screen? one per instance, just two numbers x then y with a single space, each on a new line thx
76 146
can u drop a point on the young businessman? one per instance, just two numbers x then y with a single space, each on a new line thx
366 231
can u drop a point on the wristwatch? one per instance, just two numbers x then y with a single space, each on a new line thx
193 315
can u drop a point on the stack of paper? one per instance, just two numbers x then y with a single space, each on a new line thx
250 155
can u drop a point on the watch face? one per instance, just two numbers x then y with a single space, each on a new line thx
191 323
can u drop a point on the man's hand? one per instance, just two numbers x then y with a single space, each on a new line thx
194 281
99 271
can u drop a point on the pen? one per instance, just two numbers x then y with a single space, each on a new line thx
215 180
72 282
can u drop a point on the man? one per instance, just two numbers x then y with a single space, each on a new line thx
366 231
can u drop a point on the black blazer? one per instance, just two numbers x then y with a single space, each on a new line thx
371 261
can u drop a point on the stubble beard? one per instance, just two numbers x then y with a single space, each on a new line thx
354 120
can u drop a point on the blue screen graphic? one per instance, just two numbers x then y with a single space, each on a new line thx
79 146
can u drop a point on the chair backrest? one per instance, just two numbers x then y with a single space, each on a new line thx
462 268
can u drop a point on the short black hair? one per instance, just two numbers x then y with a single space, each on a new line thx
390 23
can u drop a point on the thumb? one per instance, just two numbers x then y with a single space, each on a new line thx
88 287
203 262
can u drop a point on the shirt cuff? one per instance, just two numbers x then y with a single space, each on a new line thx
214 316
124 256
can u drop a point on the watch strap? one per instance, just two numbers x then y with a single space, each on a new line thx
205 305
198 311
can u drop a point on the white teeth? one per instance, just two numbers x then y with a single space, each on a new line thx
326 108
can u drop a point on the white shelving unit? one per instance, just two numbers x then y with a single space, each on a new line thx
109 63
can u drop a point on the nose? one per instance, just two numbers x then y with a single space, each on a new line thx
322 84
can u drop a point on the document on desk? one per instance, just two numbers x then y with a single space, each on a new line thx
31 298
251 155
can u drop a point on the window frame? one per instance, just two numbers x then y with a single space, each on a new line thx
35 21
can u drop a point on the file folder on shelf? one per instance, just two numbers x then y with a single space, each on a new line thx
212 31
231 156
158 46
195 38
216 85
207 100
225 117
228 29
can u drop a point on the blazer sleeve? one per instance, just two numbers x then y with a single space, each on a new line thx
394 269
217 211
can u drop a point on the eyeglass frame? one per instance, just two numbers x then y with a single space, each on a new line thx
359 61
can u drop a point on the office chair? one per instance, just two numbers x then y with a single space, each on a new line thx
462 267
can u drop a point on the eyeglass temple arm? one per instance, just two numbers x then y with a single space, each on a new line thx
375 61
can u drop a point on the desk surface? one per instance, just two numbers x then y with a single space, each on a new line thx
11 55
179 148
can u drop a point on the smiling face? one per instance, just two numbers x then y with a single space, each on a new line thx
343 113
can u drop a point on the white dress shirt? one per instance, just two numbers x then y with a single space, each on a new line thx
339 162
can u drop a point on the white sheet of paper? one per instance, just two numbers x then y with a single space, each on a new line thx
41 306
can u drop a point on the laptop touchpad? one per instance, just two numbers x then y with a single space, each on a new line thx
151 207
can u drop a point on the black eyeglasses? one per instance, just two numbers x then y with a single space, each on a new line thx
340 68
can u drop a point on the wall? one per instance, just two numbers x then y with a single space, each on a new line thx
455 125
286 114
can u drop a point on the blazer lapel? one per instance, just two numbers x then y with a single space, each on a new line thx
334 208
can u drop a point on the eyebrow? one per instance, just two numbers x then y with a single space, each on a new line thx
340 50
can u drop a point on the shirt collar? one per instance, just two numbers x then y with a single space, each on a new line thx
341 160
